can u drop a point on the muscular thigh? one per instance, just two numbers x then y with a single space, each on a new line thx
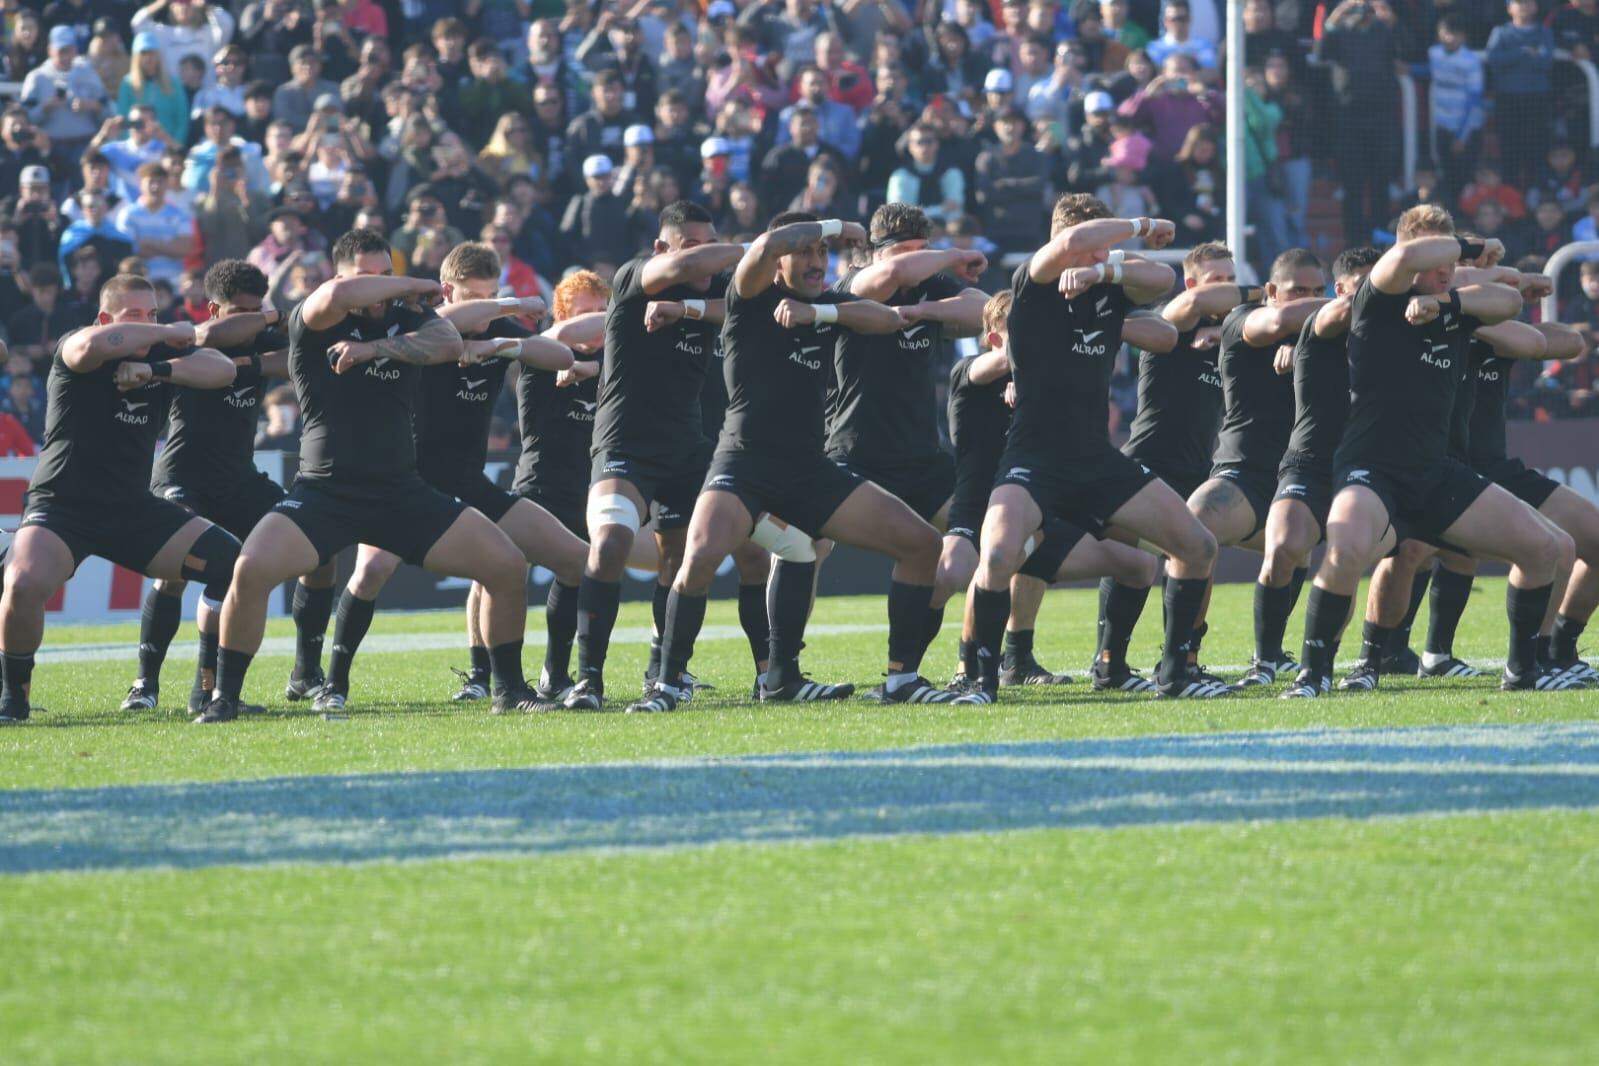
472 547
1224 509
873 519
279 549
1495 526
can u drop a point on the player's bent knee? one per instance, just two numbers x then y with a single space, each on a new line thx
211 560
785 542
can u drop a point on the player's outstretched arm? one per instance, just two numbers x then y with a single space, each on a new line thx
437 341
989 367
1490 303
1396 271
1150 332
962 316
231 331
1187 308
1143 281
1333 318
331 301
857 316
1514 340
884 278
757 269
474 316
1265 326
1086 242
658 314
203 368
581 333
91 348
703 261
542 353
1563 341
582 370
273 364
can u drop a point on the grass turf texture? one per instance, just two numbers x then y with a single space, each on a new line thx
1438 939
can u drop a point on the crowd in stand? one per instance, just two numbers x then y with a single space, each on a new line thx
166 137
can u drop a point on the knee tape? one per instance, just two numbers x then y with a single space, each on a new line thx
612 510
1030 545
783 540
210 561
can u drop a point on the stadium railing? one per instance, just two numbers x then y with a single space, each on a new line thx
1563 257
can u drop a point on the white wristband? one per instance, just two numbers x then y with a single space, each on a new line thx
825 313
1101 271
694 309
1142 226
1116 255
510 303
831 227
747 245
1115 271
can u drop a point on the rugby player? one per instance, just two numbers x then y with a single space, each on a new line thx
979 419
771 468
355 346
1407 339
1070 301
647 441
90 492
208 466
453 408
1173 433
1259 418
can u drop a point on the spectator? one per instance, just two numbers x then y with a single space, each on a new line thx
790 32
257 112
459 184
87 274
35 328
26 48
999 94
1294 137
195 28
219 137
281 431
65 96
1262 178
1488 186
738 124
1582 310
745 212
510 149
1179 39
847 81
823 193
1101 54
287 237
1032 65
1196 199
1085 150
516 277
677 138
1126 194
1010 187
1561 179
368 20
1263 38
714 187
163 233
1172 104
295 100
599 130
148 86
617 45
95 170
1456 102
1120 28
1049 99
109 54
333 40
784 169
231 216
1548 229
1587 227
38 223
1363 51
954 70
144 142
547 64
939 191
838 125
1521 54
95 231
595 224
425 216
638 157
679 69
489 94
881 129
356 194
271 29
227 85
1490 220
21 146
24 409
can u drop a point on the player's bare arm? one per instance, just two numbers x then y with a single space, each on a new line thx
1396 271
859 316
1333 318
232 331
91 348
1151 332
1514 340
1089 242
1269 325
581 333
580 371
1562 341
658 314
961 316
702 261
474 316
436 341
989 368
906 271
203 368
331 301
1192 306
757 269
1144 281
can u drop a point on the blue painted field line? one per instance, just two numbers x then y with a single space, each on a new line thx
802 797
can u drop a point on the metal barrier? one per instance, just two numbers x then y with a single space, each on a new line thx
1590 74
1550 308
1410 126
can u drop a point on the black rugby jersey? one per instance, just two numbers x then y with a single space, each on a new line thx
1321 397
357 424
98 441
1062 353
1179 407
979 418
885 408
1259 401
557 430
211 432
649 393
1402 382
776 378
1486 433
454 406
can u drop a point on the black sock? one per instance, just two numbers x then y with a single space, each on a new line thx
652 669
1272 608
1183 598
752 619
1400 640
788 603
1450 591
597 603
17 671
312 609
231 668
935 623
1563 645
560 625
968 654
1124 605
205 667
1106 586
685 615
350 624
1018 648
658 614
1526 608
1324 620
505 666
1374 644
1296 585
158 624
989 612
482 668
907 625
1540 648
1197 639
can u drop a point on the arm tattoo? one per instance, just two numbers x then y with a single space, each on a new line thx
416 348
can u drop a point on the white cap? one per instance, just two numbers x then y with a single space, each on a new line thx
998 81
636 135
597 166
34 175
714 146
1099 101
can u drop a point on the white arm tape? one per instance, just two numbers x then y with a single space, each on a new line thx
510 303
1116 255
825 313
831 227
612 510
1114 273
694 309
783 541
1142 226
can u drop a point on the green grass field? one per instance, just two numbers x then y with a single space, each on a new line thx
899 907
